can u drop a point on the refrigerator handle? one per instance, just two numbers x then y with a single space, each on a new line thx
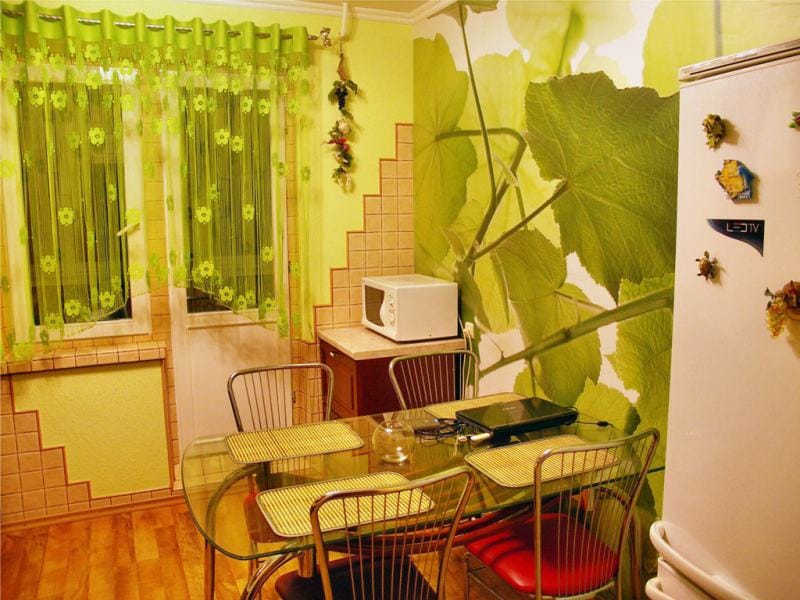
653 590
710 584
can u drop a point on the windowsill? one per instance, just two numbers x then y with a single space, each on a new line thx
71 358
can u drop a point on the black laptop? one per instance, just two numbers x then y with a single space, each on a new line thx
505 419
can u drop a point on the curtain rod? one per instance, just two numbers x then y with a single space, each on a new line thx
324 33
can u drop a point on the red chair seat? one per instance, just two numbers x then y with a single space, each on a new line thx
293 587
510 553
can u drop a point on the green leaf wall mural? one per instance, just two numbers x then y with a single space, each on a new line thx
578 166
617 151
546 187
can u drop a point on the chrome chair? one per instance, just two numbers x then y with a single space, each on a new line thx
573 549
423 379
402 556
262 397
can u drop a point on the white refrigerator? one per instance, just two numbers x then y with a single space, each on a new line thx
731 513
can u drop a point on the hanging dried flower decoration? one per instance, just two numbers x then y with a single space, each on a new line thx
341 133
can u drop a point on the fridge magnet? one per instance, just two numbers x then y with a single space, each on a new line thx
749 231
707 266
736 180
714 126
782 306
795 122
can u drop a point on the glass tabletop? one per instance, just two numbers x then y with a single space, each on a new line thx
221 493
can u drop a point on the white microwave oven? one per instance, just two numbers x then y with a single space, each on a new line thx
408 308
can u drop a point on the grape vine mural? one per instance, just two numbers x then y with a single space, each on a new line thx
541 178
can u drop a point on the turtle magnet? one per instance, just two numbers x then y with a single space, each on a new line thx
707 266
795 122
714 126
736 180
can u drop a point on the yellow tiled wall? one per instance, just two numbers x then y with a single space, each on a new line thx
34 478
385 246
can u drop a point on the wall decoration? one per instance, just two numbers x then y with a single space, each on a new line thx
707 266
795 122
714 126
783 305
736 180
341 133
749 231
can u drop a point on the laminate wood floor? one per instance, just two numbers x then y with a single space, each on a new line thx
146 554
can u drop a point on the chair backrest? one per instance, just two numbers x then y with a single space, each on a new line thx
405 551
261 397
590 493
423 379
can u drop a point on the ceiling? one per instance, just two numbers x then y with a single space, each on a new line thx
402 11
398 6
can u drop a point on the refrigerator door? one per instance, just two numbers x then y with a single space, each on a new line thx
732 480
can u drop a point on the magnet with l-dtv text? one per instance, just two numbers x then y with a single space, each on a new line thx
736 180
749 231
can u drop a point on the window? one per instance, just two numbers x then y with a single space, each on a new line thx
77 207
229 220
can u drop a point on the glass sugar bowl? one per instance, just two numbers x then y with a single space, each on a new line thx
393 441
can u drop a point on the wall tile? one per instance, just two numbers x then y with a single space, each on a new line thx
8 444
405 169
27 442
78 492
10 503
356 240
30 481
388 187
33 500
25 422
51 458
10 483
9 464
7 423
56 496
388 168
54 477
373 241
405 133
29 461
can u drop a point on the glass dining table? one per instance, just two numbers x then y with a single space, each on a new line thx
221 490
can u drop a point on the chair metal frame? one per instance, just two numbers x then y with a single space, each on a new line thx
421 374
426 536
262 383
590 498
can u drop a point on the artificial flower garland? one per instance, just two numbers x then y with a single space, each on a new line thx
343 127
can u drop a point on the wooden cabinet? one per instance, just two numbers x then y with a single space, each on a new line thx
360 359
361 387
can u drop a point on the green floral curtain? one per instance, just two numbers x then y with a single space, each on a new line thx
223 118
66 115
79 91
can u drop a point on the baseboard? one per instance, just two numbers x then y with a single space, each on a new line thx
92 513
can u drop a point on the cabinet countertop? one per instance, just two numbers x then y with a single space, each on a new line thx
359 343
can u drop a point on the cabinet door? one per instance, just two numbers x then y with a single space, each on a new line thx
344 380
